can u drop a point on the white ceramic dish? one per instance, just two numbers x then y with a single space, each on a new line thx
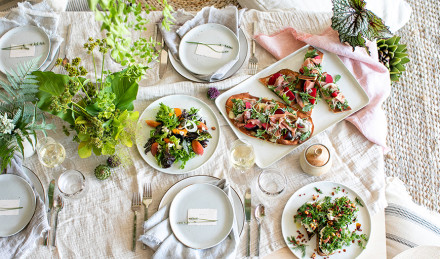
289 227
268 153
23 35
36 182
209 33
183 102
13 187
241 58
201 196
177 187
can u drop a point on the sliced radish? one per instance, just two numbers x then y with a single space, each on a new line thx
250 126
248 105
273 78
328 79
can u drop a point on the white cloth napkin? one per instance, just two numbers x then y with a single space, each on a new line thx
18 245
40 15
159 236
229 16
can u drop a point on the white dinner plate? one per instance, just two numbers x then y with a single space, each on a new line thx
268 153
209 33
13 187
23 35
177 187
303 195
36 182
241 58
201 196
183 102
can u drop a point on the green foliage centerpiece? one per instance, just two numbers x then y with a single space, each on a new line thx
20 119
100 113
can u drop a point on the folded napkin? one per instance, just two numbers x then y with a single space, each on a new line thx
40 15
159 236
229 16
17 245
371 74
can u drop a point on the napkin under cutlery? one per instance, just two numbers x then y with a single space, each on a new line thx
229 16
159 236
40 15
17 245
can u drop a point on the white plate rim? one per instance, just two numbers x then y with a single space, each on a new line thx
231 208
33 198
301 190
140 146
193 177
221 100
243 53
13 30
193 30
43 194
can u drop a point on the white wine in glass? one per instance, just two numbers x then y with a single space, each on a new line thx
50 152
242 155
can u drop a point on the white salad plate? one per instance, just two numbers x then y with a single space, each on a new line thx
177 187
201 196
268 153
13 187
23 35
209 33
241 58
290 228
182 102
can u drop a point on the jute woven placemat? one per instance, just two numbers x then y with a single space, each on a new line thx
191 5
413 108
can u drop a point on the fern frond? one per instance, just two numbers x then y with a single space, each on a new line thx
6 153
17 116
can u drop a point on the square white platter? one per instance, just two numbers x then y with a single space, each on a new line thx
267 153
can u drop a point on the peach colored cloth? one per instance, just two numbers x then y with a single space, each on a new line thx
370 73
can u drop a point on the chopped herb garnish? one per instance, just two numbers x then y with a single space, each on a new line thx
337 189
318 190
358 202
336 79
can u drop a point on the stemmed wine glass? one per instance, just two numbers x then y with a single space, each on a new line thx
50 153
242 155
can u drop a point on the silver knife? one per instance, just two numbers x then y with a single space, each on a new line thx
50 197
247 212
163 58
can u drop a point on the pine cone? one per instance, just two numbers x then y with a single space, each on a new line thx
102 172
393 55
114 161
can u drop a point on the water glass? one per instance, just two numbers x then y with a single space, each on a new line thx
271 182
72 184
242 155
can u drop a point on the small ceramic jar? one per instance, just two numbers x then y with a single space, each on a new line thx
316 160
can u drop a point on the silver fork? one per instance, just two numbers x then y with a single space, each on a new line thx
147 199
135 207
253 61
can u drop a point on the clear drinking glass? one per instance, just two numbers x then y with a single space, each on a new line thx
271 182
50 152
242 155
72 184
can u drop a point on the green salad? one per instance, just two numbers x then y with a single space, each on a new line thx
178 136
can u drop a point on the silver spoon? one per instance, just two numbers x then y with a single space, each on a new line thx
59 205
259 216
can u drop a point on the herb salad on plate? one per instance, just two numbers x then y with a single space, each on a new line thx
177 134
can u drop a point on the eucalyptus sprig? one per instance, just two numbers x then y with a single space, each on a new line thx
193 220
23 46
297 246
212 44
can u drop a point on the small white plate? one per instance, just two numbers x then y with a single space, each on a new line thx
290 228
201 196
209 33
241 58
268 153
13 187
23 35
182 102
177 187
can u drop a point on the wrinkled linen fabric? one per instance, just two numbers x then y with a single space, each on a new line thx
40 15
23 242
229 16
371 74
100 225
159 236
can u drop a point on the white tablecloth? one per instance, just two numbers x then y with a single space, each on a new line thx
100 224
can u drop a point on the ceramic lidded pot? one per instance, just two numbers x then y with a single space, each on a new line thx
316 160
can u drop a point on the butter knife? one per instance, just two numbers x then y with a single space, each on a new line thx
163 59
247 212
49 209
